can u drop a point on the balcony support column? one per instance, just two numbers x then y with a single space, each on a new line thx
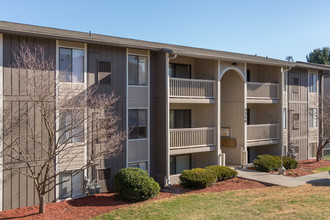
220 161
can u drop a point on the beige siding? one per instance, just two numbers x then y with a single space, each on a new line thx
137 97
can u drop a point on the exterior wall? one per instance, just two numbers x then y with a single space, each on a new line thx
18 190
117 57
159 152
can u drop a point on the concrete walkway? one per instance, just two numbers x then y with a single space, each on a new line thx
281 180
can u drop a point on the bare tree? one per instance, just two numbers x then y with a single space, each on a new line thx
70 118
324 119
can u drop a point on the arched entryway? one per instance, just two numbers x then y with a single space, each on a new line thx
232 115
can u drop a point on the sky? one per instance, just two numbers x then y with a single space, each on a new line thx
273 28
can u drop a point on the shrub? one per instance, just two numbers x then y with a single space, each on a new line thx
268 163
222 172
289 163
197 178
134 184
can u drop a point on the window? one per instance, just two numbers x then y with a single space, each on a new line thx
71 126
296 85
137 70
284 118
104 72
180 118
295 121
141 165
180 163
71 65
180 70
312 117
137 123
104 174
312 82
72 184
312 147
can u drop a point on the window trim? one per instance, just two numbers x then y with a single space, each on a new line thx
83 65
147 72
311 84
312 116
147 124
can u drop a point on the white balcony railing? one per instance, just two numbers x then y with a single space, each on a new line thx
262 132
191 88
192 137
256 90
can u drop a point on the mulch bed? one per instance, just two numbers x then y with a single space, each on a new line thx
305 167
91 206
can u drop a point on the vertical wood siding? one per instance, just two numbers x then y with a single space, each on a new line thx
19 190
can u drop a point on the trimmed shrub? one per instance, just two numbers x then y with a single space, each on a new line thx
289 163
134 184
222 172
197 178
266 163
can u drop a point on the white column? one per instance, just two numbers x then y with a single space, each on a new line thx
167 79
57 188
219 161
1 113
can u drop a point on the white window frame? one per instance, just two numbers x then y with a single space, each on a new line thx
84 59
312 85
147 71
312 114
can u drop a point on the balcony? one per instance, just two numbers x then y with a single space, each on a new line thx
191 90
262 92
192 140
262 134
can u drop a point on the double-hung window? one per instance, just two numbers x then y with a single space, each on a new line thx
137 123
71 126
71 65
71 184
312 117
312 82
137 70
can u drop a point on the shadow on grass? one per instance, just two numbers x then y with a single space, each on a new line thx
320 182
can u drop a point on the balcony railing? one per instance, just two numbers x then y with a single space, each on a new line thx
192 137
262 91
262 132
191 88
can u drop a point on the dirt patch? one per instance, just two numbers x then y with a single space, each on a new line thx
90 206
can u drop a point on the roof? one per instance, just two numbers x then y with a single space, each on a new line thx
312 65
61 34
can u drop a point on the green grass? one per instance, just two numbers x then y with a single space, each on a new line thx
327 157
323 169
304 202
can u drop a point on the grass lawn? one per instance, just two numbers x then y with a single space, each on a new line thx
322 169
304 202
327 157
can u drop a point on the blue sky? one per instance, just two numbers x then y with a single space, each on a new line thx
268 28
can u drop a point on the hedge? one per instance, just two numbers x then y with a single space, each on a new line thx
222 172
267 163
197 178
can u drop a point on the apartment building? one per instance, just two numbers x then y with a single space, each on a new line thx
181 107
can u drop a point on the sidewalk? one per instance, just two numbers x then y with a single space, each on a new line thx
281 180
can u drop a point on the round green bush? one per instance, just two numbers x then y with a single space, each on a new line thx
266 163
222 172
134 184
197 178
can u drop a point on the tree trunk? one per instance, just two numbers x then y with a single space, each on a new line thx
42 204
319 154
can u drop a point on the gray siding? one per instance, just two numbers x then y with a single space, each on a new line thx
117 57
158 116
18 189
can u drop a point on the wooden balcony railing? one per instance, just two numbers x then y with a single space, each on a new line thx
256 90
192 137
191 88
262 132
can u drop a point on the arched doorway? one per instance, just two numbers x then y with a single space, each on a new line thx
232 115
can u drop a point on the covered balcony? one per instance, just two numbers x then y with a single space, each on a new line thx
191 90
262 92
192 140
262 134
